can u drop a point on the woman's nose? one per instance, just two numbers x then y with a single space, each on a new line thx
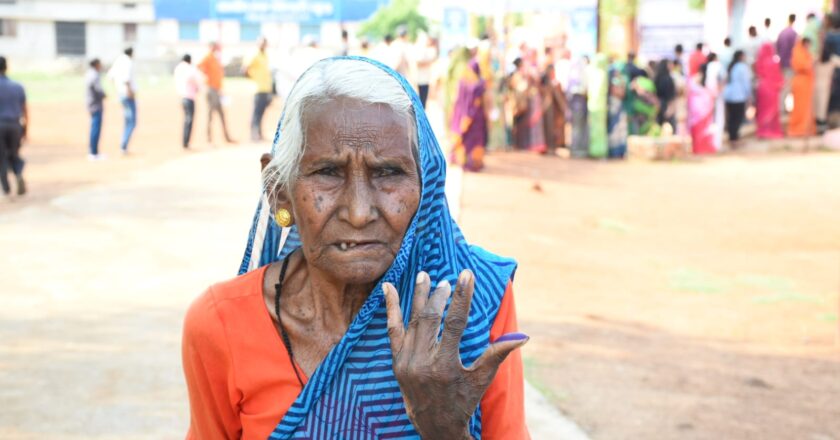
359 202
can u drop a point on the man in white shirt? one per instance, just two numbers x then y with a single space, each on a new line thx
751 46
122 74
427 54
187 80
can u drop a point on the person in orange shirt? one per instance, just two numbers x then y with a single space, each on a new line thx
214 72
343 322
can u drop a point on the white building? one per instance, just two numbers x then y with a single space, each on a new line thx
61 34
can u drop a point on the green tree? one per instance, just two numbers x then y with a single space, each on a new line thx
388 19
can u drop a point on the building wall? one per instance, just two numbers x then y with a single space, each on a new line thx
34 46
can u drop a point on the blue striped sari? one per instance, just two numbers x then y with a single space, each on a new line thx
353 393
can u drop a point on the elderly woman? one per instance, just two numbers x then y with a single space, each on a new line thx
333 328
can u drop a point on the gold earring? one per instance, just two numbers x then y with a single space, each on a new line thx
283 217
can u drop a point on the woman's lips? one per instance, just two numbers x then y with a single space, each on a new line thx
346 246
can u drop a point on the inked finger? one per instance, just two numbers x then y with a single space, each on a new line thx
459 311
488 363
396 328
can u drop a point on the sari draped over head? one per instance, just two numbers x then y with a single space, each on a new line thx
469 123
353 393
768 71
801 122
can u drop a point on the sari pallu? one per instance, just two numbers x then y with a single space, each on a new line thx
770 84
353 393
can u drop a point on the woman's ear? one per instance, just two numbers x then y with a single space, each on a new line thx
278 198
264 160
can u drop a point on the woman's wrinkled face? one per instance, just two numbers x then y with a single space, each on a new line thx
357 188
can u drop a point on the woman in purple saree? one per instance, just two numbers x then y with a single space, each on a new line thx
469 120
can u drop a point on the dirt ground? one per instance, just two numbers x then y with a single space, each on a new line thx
664 300
674 300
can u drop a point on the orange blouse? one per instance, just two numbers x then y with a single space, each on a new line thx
241 382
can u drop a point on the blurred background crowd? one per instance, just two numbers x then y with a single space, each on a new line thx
583 78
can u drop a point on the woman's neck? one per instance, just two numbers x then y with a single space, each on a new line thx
316 299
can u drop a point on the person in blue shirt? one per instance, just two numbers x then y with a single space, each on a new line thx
13 124
736 94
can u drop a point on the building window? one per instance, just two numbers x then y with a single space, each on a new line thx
187 31
70 38
249 31
129 32
8 28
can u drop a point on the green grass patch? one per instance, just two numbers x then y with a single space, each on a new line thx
531 367
695 281
787 297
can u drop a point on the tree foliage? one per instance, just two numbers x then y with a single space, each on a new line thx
388 19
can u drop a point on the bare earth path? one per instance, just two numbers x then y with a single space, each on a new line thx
681 300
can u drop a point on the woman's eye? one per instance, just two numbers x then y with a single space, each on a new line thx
388 171
327 171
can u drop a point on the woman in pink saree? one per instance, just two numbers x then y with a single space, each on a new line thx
770 83
701 113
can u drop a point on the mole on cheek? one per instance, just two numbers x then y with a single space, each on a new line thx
319 200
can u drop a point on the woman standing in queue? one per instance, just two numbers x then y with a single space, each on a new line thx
736 94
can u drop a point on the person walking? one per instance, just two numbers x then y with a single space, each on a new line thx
259 70
122 74
187 84
94 96
14 120
736 94
784 48
213 70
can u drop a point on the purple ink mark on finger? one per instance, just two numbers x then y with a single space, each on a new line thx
512 337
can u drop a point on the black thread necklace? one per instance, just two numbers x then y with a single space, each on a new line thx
277 289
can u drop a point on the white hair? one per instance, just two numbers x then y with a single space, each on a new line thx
325 81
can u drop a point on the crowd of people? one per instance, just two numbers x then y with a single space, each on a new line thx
189 79
522 97
602 101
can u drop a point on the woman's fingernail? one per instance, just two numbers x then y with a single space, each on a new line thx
464 279
512 337
421 276
444 285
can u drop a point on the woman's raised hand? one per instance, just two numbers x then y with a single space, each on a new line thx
440 394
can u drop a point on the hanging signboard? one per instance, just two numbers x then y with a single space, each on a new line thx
300 11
